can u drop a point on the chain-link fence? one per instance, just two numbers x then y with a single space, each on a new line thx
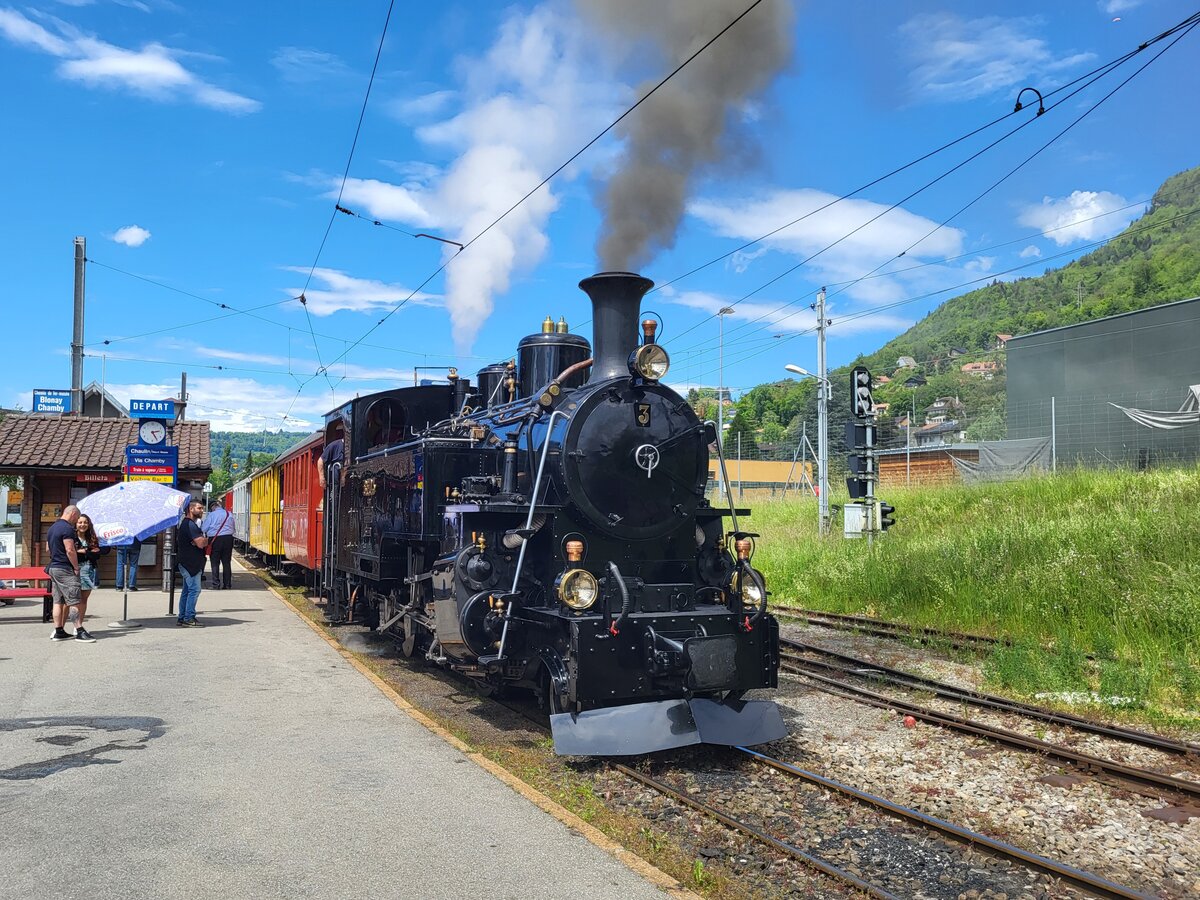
946 442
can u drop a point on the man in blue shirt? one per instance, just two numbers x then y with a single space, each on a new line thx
191 543
218 528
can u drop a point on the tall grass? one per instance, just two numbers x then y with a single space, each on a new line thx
1094 575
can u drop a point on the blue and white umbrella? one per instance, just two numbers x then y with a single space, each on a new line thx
133 510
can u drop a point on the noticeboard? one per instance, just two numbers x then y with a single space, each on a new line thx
159 464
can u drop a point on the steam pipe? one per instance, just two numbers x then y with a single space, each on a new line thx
626 602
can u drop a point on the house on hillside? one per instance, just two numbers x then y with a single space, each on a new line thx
986 369
881 409
956 352
881 379
943 409
914 380
906 362
939 433
1002 341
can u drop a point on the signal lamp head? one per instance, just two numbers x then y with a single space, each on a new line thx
649 362
577 588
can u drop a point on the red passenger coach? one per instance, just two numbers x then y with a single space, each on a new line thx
302 512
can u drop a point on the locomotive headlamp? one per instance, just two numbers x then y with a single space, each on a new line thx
753 589
578 588
650 361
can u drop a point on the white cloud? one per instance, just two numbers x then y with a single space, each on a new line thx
517 113
851 258
1114 7
153 71
344 291
409 108
1080 216
762 321
979 265
1031 252
959 59
131 236
301 65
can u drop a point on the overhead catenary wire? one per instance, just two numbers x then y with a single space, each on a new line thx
546 180
966 284
1094 75
1179 33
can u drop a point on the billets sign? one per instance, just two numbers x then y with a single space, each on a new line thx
159 464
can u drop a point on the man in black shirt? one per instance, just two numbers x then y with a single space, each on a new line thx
333 455
190 542
64 572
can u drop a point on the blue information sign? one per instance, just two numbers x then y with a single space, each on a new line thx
152 409
159 464
51 401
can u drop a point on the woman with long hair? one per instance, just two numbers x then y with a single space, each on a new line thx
88 547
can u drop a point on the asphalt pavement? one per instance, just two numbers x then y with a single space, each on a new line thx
248 759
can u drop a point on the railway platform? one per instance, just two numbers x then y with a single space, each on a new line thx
248 758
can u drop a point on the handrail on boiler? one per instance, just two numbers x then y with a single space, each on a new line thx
533 499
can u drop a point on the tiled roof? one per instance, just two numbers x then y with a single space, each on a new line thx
64 442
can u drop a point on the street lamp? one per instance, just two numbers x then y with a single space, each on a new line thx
721 314
823 391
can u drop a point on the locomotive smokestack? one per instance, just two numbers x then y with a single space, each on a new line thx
616 303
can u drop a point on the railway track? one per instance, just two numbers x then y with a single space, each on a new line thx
883 628
1091 883
853 665
831 679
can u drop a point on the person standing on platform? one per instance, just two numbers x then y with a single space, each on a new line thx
88 551
63 569
218 528
127 563
191 542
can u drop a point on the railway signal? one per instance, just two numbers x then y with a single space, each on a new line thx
862 404
887 515
860 439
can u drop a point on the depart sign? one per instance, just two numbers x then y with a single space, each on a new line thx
152 409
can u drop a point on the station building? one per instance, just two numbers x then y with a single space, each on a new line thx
63 458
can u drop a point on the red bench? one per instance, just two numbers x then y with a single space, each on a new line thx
27 573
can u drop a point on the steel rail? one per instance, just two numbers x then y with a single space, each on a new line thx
1102 887
991 701
737 825
884 628
962 724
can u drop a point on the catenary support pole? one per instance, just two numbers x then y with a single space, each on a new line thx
1053 438
822 417
77 333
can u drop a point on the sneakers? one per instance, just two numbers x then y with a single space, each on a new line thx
192 623
180 622
60 634
81 635
132 588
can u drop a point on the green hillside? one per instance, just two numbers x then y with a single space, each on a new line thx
236 454
1155 260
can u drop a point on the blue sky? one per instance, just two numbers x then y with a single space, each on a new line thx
201 145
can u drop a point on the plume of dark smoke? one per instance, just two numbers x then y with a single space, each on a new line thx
685 127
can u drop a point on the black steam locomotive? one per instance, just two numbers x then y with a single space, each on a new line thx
547 529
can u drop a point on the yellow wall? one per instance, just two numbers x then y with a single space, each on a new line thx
763 471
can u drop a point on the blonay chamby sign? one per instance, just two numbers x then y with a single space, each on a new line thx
152 409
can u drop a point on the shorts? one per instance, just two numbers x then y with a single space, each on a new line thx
89 578
65 586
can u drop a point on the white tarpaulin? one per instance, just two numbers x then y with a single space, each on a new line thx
1188 414
1002 460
